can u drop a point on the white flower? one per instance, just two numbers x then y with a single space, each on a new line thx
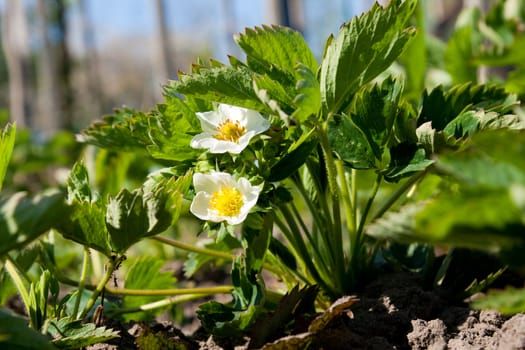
229 129
219 197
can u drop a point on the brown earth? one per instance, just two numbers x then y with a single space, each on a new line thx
393 312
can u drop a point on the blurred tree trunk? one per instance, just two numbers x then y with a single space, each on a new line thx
65 64
90 99
288 13
55 96
15 41
164 56
48 116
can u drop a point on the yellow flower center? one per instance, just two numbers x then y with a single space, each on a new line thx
226 201
230 131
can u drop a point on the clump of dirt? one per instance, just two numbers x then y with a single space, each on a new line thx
394 312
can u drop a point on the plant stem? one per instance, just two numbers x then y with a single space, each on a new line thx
313 243
347 200
193 249
170 292
298 245
82 282
157 304
335 233
362 222
398 193
11 268
110 268
210 252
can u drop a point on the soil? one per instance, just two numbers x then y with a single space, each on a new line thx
393 312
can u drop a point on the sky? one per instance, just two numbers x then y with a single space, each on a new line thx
206 20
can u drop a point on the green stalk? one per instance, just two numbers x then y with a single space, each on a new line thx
157 304
335 234
311 206
170 292
347 202
110 268
362 222
11 268
353 185
210 252
398 193
190 248
298 245
177 299
82 282
315 248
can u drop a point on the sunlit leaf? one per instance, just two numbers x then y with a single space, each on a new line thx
124 130
172 129
308 98
275 47
363 48
220 84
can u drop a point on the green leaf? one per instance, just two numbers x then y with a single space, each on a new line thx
256 230
492 158
275 47
23 219
374 111
38 300
350 143
78 186
364 47
86 223
509 301
16 335
406 159
7 142
440 107
87 226
308 98
489 220
228 85
292 161
144 212
493 120
125 130
479 286
273 95
463 125
144 274
414 57
175 125
398 226
71 334
462 48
